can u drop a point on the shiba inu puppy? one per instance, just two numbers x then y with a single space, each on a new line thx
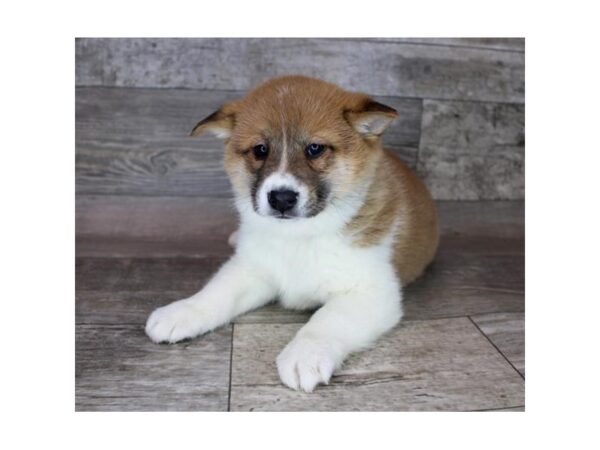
328 219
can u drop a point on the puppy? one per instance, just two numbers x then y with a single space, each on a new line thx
328 219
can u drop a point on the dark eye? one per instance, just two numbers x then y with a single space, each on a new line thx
314 150
260 151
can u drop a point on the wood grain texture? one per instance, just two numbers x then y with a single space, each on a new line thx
432 365
143 274
471 151
136 141
507 333
462 286
119 369
128 226
417 68
483 226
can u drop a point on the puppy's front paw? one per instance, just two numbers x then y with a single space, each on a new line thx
306 362
174 322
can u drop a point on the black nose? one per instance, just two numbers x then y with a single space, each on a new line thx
282 201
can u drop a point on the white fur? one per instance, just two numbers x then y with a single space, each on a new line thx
220 132
304 263
372 124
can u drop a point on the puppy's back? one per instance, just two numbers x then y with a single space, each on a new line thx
417 236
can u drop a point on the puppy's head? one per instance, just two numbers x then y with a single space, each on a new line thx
294 145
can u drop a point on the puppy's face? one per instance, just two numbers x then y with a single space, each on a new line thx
296 144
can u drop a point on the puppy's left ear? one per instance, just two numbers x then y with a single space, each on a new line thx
371 119
220 123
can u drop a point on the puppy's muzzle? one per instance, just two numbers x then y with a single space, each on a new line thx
283 200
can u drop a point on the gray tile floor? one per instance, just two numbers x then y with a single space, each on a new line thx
460 347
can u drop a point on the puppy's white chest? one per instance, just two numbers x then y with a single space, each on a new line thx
309 271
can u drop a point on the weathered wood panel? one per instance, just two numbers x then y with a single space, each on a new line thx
507 332
143 274
490 126
125 226
136 141
482 220
117 368
473 151
432 365
379 66
458 176
456 286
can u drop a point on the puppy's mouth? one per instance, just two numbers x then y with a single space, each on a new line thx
312 212
285 216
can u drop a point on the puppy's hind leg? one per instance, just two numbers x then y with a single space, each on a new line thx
233 290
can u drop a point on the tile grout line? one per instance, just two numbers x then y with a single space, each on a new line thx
497 409
230 368
497 349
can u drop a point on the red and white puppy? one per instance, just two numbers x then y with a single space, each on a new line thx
327 218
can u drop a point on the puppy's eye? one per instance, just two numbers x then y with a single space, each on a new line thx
260 151
314 150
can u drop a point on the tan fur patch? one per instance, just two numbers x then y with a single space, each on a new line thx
398 196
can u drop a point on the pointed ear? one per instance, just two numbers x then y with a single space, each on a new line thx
371 119
220 123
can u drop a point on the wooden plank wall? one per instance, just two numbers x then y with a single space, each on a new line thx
404 68
461 106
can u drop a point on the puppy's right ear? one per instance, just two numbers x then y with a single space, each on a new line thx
371 118
220 123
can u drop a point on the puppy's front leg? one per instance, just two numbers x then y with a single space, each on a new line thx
343 325
233 290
